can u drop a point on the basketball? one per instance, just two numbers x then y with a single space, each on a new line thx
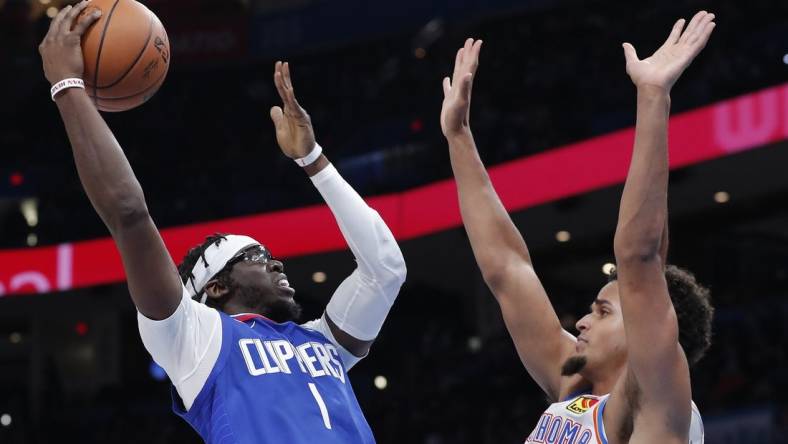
126 53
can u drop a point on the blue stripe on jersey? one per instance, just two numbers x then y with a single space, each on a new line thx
600 415
276 383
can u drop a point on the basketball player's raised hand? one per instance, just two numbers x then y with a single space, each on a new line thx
293 126
61 50
664 67
456 109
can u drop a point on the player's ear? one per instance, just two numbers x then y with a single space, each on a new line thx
215 289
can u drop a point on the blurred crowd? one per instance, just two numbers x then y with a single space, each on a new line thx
204 147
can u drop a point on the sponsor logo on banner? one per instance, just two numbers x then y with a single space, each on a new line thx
38 271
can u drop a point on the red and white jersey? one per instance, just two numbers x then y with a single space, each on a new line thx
578 420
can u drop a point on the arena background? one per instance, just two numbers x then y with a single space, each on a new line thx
552 110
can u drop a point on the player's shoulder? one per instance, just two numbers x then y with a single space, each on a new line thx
246 323
317 327
313 325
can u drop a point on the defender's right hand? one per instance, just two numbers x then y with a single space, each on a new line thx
61 50
664 67
456 109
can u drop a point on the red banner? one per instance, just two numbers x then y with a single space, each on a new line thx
747 122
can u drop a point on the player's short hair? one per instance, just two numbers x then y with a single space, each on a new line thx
198 253
694 311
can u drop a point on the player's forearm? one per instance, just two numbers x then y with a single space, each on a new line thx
642 220
367 235
358 308
104 171
494 238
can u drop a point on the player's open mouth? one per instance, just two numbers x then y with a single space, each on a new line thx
284 284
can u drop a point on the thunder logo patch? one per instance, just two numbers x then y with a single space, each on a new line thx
582 404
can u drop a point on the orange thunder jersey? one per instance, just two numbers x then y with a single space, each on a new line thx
578 420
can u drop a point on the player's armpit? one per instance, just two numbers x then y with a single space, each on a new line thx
358 347
655 358
328 329
633 414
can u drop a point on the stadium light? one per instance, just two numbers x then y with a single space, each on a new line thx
563 236
319 277
721 197
381 382
29 209
474 344
16 179
81 328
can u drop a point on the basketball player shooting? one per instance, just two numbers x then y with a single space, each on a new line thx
221 324
625 378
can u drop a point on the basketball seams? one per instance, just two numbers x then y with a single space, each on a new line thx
147 93
128 71
157 83
100 47
136 60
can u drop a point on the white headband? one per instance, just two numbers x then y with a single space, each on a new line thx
216 256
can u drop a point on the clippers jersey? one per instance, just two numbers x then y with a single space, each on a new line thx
578 420
275 383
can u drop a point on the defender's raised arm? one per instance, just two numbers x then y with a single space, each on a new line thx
657 364
499 248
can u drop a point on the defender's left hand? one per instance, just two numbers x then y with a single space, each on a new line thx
664 67
294 132
456 109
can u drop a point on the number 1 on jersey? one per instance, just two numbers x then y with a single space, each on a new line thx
321 405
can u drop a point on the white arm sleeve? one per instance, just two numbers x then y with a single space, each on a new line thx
360 304
186 345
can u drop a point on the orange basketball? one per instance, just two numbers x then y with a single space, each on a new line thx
127 54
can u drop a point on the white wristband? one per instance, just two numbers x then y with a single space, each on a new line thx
310 158
65 84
